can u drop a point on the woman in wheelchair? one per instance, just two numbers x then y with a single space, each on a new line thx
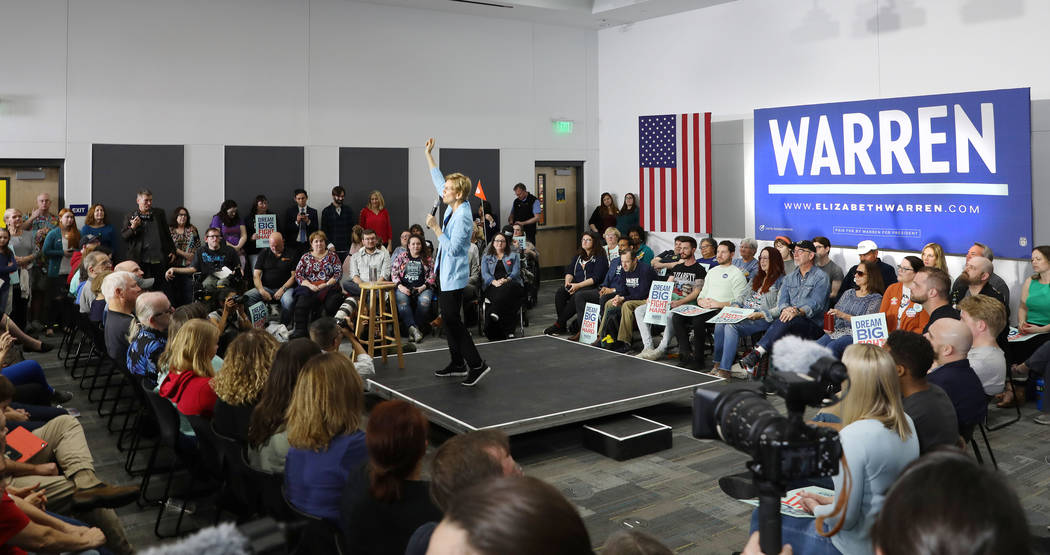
504 292
317 274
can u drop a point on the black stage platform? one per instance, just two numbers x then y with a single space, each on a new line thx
536 382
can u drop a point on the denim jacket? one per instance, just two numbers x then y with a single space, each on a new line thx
808 293
488 268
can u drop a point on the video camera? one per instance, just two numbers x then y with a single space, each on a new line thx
783 449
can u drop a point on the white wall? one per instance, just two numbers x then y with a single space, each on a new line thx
732 58
317 73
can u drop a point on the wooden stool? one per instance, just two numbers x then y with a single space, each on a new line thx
379 314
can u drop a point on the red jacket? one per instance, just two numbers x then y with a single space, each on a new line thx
192 394
379 223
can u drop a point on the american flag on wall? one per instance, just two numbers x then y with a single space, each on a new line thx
674 172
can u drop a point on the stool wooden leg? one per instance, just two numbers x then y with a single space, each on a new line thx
373 320
397 333
360 314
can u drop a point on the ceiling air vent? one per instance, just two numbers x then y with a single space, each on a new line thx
480 3
30 175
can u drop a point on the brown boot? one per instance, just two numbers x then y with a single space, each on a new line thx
1013 396
436 323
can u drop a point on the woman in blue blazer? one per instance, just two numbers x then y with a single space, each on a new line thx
504 291
453 266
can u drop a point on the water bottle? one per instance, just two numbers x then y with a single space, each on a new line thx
1040 386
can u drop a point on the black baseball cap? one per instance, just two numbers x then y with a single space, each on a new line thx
806 244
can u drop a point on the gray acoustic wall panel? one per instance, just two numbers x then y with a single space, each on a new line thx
362 170
477 163
727 178
274 171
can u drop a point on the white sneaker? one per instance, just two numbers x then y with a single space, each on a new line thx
415 334
652 354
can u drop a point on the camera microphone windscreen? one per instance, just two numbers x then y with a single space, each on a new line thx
794 354
224 539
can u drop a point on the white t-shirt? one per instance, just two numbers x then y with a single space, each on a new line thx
989 363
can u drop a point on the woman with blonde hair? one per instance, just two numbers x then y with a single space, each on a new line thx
375 217
324 431
933 255
878 440
188 360
240 381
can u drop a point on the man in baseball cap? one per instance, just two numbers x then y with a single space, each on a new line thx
867 251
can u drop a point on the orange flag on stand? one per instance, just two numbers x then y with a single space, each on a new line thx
479 192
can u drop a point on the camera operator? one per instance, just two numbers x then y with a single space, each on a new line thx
329 333
146 237
878 441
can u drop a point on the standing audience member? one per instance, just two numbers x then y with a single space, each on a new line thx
300 222
747 261
901 310
244 372
59 246
8 266
274 277
930 289
385 500
867 251
584 273
997 283
188 359
927 404
504 292
337 221
688 277
146 239
951 342
824 262
317 274
40 223
800 305
234 232
864 298
487 220
96 223
724 284
985 317
267 432
323 423
375 217
629 213
933 256
24 249
261 206
762 297
510 516
604 215
413 273
187 242
148 335
525 211
120 291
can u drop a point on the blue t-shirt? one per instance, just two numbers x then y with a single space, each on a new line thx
314 480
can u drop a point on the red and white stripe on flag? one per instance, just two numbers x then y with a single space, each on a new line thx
675 192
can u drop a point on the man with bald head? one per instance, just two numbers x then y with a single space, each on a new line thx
951 342
274 277
975 280
134 269
980 249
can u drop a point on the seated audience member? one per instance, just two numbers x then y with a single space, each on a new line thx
926 511
273 277
357 268
504 291
210 261
867 251
876 434
487 220
985 317
530 248
927 404
413 273
402 246
510 516
28 342
902 312
460 462
385 500
612 242
1033 313
762 297
786 249
708 252
30 391
688 277
473 288
98 304
951 342
326 442
63 473
267 433
824 262
975 276
933 255
1014 394
327 333
188 359
930 289
584 273
864 298
27 527
997 283
317 274
800 305
668 258
724 284
637 238
605 289
357 242
747 261
632 288
94 264
634 542
240 381
148 335
121 291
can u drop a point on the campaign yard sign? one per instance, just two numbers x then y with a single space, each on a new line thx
870 328
731 315
947 168
265 224
521 242
258 313
589 329
659 303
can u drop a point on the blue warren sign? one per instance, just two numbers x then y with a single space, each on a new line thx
947 168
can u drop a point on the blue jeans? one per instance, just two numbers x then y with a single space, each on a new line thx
800 325
837 346
421 312
801 534
727 336
287 300
25 372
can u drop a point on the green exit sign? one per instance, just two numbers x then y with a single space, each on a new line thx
562 127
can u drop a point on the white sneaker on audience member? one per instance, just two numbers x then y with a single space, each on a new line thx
415 334
652 354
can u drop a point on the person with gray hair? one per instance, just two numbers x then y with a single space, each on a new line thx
121 290
998 283
94 263
747 261
148 335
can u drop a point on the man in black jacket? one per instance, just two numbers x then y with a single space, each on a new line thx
336 221
147 239
299 222
525 211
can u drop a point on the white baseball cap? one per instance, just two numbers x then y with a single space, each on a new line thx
866 246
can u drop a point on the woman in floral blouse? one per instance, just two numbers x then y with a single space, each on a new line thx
187 241
317 274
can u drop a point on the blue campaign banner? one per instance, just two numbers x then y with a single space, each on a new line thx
948 168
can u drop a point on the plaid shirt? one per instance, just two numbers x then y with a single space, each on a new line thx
41 226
